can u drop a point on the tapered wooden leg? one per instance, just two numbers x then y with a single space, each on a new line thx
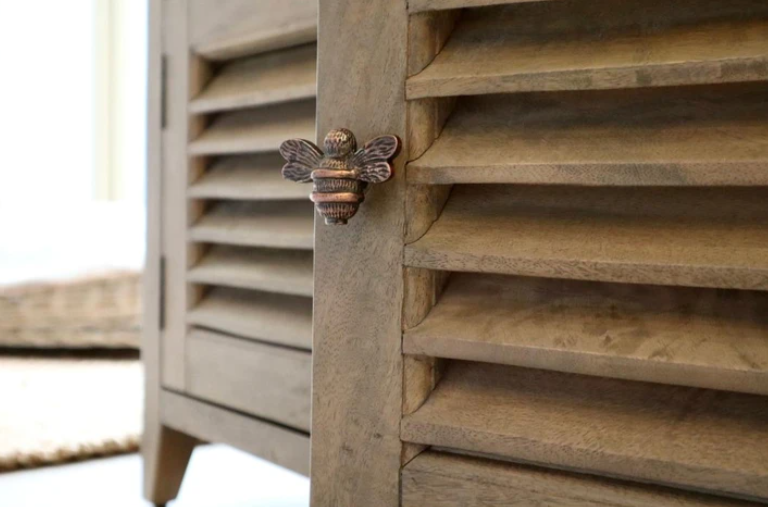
166 453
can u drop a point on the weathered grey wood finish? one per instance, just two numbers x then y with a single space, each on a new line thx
212 423
583 214
686 437
571 45
229 266
228 29
688 136
702 338
357 361
700 237
267 381
165 451
415 6
444 480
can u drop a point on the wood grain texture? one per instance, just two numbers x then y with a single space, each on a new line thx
694 337
270 270
256 130
425 123
427 33
248 177
701 237
273 318
274 443
357 363
270 78
422 288
233 28
687 437
269 382
671 137
420 376
435 5
279 224
572 45
445 480
423 205
165 452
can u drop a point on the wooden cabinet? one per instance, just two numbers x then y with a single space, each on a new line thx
228 325
560 297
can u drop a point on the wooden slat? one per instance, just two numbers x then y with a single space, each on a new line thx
266 79
256 130
435 5
285 320
274 443
445 480
682 436
273 39
266 381
670 137
255 177
701 237
695 337
569 45
271 270
227 29
279 224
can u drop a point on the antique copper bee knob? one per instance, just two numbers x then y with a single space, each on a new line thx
342 173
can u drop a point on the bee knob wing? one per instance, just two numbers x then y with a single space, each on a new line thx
302 157
373 161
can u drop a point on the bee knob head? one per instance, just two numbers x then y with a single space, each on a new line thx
339 143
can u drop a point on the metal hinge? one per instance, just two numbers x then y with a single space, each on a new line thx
162 293
163 92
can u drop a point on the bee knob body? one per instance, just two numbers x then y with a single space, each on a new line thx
337 194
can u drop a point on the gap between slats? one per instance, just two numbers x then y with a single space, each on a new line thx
253 42
276 224
707 338
450 480
570 45
435 5
271 78
678 436
270 270
692 136
256 130
274 318
699 237
247 177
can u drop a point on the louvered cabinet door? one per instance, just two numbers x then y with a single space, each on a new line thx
560 298
236 239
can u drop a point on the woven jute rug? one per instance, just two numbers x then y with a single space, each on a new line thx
57 409
100 310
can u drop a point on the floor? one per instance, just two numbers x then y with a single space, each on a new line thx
218 476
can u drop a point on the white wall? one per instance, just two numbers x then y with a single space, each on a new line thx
46 109
66 133
120 170
56 122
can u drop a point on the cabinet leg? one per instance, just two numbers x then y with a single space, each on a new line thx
166 453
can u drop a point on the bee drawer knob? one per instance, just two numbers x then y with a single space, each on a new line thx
341 174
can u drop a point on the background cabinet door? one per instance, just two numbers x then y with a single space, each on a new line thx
237 239
229 288
567 270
